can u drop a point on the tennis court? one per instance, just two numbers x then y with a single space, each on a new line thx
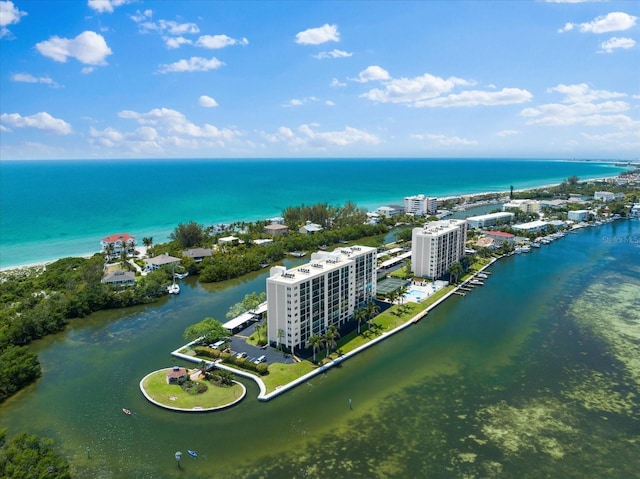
388 285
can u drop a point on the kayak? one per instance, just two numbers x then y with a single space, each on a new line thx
192 453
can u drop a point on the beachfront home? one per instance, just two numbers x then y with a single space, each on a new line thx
307 299
114 244
159 261
276 229
198 254
491 219
436 246
310 228
228 241
120 278
420 205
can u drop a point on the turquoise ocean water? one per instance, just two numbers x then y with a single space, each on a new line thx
52 209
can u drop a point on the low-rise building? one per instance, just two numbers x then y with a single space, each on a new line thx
176 375
532 226
310 228
635 210
526 206
491 219
578 215
500 236
228 241
390 210
436 246
605 196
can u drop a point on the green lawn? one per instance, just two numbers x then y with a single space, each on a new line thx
281 374
157 388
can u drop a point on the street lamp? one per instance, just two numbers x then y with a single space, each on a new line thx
178 457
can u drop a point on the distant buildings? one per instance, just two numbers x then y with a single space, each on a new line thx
532 226
436 246
307 299
390 210
500 236
605 196
420 205
491 219
526 206
228 241
276 229
635 210
198 254
310 228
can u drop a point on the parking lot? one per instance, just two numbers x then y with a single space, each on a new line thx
238 344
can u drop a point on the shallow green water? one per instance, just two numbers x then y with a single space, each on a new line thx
536 374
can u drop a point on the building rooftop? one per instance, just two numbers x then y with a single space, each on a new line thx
124 237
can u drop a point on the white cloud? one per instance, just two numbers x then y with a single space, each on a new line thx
193 64
28 78
9 14
344 137
317 36
336 83
207 102
371 73
444 140
611 22
108 6
582 93
589 114
215 42
506 96
504 133
617 42
176 42
300 101
329 103
174 123
333 54
41 121
410 90
89 48
140 17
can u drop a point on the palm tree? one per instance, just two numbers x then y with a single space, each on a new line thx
372 310
109 249
257 328
314 341
147 241
330 338
360 316
455 270
280 336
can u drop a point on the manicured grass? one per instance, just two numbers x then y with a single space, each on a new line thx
281 374
157 388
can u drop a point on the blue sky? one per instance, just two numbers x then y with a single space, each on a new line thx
177 79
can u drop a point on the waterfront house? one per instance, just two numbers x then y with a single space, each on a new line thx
228 241
390 210
526 206
177 375
531 226
159 261
117 242
436 246
122 278
198 254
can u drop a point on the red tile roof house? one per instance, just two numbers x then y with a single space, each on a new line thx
177 375
500 236
118 241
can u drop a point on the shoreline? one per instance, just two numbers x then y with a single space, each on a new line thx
43 263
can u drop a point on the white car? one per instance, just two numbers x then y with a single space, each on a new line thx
241 355
261 359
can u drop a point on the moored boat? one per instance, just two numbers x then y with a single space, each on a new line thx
126 411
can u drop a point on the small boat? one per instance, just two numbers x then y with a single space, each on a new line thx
180 275
126 411
173 288
192 453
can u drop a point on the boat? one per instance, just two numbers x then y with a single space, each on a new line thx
180 275
192 453
126 411
173 288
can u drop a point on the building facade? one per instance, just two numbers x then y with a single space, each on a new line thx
420 205
526 206
115 244
307 299
491 219
436 246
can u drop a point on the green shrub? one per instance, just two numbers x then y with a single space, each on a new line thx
262 368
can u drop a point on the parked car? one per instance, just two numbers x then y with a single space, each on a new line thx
261 359
241 355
